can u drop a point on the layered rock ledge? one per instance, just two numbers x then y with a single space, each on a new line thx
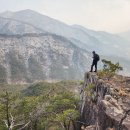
105 104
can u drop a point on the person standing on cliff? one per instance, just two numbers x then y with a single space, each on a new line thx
96 58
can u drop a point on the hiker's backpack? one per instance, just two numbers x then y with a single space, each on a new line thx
97 57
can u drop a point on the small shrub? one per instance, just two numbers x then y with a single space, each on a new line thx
109 69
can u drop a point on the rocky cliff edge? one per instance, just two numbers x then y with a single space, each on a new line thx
105 104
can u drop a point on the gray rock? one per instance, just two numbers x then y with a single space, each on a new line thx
107 112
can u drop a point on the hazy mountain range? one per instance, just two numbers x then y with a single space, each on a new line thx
88 39
33 35
125 35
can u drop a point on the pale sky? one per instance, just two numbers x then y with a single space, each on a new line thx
101 15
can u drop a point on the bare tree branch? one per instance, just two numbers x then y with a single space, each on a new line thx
18 125
12 121
6 123
25 125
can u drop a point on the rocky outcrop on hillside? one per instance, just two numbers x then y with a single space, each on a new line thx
105 104
35 57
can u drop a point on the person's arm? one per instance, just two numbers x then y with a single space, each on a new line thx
94 56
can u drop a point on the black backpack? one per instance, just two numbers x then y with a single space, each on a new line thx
97 57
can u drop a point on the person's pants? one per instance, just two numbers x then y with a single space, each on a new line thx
94 64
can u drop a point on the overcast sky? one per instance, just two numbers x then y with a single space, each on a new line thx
104 15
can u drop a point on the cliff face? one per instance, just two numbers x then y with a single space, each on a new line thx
105 104
34 57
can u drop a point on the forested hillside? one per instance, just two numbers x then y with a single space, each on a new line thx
46 106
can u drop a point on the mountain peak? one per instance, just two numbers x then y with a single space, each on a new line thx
27 11
10 14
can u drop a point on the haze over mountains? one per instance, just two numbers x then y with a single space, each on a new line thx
90 39
125 35
40 41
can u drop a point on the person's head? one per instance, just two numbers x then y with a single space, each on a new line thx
93 52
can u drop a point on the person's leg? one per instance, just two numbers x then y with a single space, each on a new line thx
92 67
95 67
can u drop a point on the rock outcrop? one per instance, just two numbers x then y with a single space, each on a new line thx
29 58
105 104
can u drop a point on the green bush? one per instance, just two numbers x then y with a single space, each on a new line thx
109 69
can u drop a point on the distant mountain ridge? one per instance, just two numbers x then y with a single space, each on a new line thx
90 40
11 27
43 48
125 35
